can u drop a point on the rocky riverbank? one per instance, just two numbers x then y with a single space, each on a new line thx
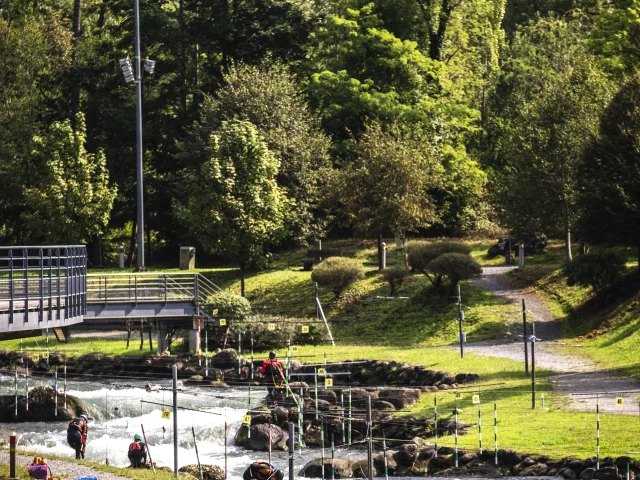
226 366
41 407
411 460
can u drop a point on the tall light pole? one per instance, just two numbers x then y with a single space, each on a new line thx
136 76
139 175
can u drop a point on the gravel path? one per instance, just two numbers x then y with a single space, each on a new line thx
577 375
59 467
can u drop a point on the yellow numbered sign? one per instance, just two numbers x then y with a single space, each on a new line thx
271 327
458 396
215 312
35 357
322 371
305 328
294 348
166 414
247 420
223 322
328 382
619 401
476 399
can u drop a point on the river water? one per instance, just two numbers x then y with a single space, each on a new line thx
117 414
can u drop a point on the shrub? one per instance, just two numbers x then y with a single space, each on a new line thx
229 305
421 254
287 329
455 267
598 270
395 276
337 273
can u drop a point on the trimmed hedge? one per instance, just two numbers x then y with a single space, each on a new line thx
454 267
337 273
597 270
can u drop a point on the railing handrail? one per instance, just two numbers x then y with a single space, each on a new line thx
141 274
39 247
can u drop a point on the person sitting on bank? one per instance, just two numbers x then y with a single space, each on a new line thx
137 452
262 471
77 435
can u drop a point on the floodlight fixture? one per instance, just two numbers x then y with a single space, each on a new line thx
149 65
127 70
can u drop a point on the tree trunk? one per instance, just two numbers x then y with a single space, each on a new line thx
583 247
132 244
242 291
141 333
128 333
568 243
150 338
380 266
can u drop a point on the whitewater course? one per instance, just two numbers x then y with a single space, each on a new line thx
338 411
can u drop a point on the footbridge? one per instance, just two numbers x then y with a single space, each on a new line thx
49 287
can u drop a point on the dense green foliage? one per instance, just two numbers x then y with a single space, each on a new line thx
598 270
337 273
454 267
395 276
229 306
280 122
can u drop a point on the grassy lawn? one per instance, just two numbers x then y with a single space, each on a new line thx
80 346
140 474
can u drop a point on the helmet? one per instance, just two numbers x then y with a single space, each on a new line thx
84 417
272 354
278 475
137 437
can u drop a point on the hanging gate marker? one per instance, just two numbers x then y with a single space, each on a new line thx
495 432
435 423
597 434
479 422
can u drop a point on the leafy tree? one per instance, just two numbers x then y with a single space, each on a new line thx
395 276
386 188
234 206
69 197
615 36
557 93
454 267
269 97
597 270
421 254
337 273
610 174
230 306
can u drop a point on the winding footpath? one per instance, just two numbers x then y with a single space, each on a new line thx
577 376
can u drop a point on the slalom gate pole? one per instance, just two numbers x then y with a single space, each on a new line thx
342 419
65 383
55 392
456 433
369 440
597 434
292 449
226 336
239 343
195 444
524 336
206 353
333 456
199 347
300 415
495 432
287 369
153 466
226 469
252 367
350 418
315 379
479 429
27 389
322 446
384 454
16 388
175 420
435 424
239 366
269 440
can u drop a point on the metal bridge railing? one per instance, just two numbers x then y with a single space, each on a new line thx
149 287
51 280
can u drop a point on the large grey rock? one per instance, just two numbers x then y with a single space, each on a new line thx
587 474
606 473
535 470
342 467
209 472
227 358
399 397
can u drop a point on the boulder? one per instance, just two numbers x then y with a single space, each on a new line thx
576 465
399 397
587 474
509 457
209 472
296 386
535 470
227 358
407 454
360 469
383 405
568 473
328 396
41 407
342 467
467 458
261 434
606 473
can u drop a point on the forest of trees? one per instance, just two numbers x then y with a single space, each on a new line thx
271 123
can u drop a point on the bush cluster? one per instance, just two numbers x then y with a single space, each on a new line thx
441 261
337 273
597 270
229 306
